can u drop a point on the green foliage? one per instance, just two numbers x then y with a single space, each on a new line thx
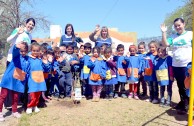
184 12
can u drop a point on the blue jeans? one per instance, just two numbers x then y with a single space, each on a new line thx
153 88
65 82
169 90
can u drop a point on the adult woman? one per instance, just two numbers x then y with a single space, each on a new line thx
103 38
20 34
182 54
69 36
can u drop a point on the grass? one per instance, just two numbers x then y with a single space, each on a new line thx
117 112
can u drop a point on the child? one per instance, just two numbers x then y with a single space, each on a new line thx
15 77
102 48
164 75
149 75
141 52
134 69
121 72
97 73
65 75
111 70
36 82
76 51
86 88
188 78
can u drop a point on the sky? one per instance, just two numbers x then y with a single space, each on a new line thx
141 16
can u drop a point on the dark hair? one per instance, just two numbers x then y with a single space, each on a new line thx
142 43
163 49
30 19
98 50
25 45
32 41
70 45
120 46
179 19
104 45
108 50
87 45
35 44
50 52
81 46
72 33
56 49
153 42
43 48
76 48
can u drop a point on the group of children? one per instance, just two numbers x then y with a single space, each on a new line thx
101 72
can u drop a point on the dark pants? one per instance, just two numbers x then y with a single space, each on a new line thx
144 85
153 88
120 85
179 74
54 82
109 90
4 93
86 88
169 91
65 83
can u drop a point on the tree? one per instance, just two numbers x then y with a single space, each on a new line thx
184 12
13 13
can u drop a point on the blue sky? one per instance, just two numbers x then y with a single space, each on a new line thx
141 16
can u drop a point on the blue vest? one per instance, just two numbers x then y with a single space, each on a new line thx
65 41
100 42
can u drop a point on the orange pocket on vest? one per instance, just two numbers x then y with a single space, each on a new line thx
95 77
19 74
37 76
148 71
135 72
121 72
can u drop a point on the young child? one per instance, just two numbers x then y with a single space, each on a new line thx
97 73
149 73
76 51
15 78
164 75
86 88
134 69
121 72
66 77
187 80
36 82
141 52
111 71
102 48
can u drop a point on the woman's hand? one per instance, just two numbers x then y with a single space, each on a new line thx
163 27
97 28
21 30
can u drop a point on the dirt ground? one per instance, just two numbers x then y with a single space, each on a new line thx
117 112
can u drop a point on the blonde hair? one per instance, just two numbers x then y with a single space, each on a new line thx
106 29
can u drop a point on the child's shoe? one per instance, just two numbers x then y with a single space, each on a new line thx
28 110
36 109
16 115
97 99
116 95
161 104
124 96
136 97
94 99
155 101
1 117
130 95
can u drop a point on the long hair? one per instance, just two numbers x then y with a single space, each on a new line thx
106 29
72 33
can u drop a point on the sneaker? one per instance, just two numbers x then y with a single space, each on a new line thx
149 100
179 105
28 110
130 96
116 95
136 97
124 96
155 101
167 105
36 109
1 117
94 99
16 115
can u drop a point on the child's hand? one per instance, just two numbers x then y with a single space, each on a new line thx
143 73
81 56
172 78
93 59
50 58
115 53
74 62
124 62
163 27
